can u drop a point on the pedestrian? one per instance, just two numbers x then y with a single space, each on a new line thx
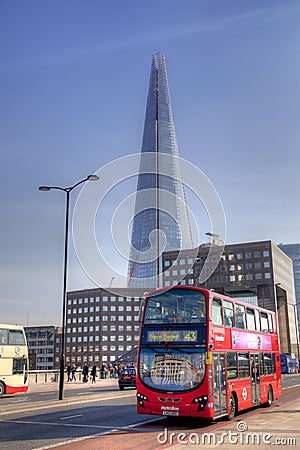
85 372
73 373
93 374
69 372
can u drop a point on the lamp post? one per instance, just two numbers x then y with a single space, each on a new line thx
64 299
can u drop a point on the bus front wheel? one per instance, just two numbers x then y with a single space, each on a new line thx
2 388
232 407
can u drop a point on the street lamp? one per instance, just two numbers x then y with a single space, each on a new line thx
64 300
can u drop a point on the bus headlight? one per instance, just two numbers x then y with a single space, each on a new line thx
141 398
200 401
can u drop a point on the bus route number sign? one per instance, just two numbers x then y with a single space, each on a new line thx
172 336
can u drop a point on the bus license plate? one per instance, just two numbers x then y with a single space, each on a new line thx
170 413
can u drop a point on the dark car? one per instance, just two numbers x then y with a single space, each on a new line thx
127 378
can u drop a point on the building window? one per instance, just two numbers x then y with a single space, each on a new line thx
267 275
249 266
267 264
256 254
258 276
239 256
266 253
248 255
232 278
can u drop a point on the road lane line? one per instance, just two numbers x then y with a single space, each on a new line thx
70 417
92 436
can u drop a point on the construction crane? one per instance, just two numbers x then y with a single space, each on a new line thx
132 271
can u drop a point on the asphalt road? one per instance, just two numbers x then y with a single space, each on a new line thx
109 412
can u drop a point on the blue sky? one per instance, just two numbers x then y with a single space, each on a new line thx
73 84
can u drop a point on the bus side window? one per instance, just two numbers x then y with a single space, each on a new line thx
264 322
231 365
217 312
228 314
3 336
270 320
240 317
267 364
250 319
261 363
273 363
257 320
243 362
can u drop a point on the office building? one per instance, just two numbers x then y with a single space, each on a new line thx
256 272
101 326
160 197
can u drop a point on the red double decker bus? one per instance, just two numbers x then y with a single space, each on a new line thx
203 354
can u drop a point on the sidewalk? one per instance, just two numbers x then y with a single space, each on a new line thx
68 385
277 426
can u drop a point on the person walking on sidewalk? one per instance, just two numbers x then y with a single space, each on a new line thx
85 372
69 372
93 374
73 373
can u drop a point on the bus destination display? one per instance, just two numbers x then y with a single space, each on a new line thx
172 336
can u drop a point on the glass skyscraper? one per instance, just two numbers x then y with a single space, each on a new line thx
161 220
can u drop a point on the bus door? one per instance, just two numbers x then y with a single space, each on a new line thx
255 378
220 408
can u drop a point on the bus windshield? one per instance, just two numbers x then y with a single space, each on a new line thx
176 306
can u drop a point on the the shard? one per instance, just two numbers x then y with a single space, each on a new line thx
161 220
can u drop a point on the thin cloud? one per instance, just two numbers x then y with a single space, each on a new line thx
259 16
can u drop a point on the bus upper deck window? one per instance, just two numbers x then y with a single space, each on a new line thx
264 322
217 318
240 317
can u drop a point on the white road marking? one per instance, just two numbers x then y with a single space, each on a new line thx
112 430
71 417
